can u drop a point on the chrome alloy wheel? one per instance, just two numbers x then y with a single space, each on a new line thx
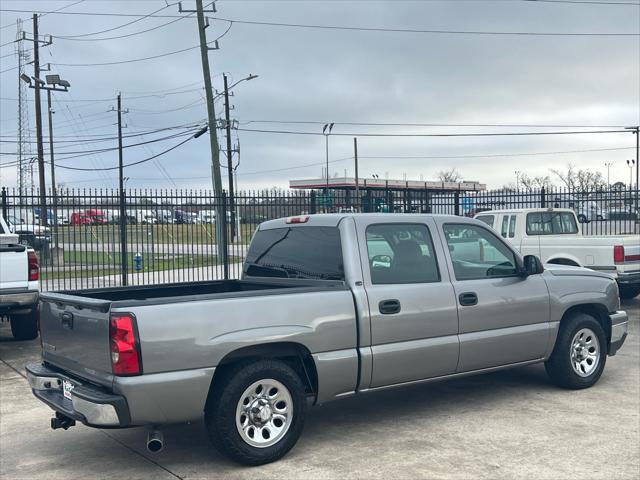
264 413
585 352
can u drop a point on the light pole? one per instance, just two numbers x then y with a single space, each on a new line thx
230 169
53 81
517 172
630 164
608 165
326 131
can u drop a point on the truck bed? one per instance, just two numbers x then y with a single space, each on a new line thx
171 293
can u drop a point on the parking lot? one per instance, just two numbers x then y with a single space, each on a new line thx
511 424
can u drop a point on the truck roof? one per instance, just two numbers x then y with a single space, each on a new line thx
524 210
332 219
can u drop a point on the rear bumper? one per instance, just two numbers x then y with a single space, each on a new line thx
18 300
88 404
628 278
619 330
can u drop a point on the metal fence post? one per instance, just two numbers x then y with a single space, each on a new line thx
456 202
312 205
543 197
225 253
123 239
4 203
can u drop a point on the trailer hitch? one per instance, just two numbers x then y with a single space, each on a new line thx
62 421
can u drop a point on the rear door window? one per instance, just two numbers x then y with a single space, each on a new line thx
296 252
505 226
401 253
512 226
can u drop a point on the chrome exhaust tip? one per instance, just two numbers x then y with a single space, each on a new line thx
155 441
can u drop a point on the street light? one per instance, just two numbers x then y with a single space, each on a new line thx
630 164
230 169
326 131
517 172
53 81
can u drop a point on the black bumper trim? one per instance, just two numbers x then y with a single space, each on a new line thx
55 399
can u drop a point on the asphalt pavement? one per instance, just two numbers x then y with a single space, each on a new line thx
511 424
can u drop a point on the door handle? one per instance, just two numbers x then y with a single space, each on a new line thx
468 299
389 307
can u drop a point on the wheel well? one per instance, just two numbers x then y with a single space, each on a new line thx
295 355
596 310
563 261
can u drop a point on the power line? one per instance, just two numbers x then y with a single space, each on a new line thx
55 11
363 29
427 31
292 132
378 124
82 35
132 163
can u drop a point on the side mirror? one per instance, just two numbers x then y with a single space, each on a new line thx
532 266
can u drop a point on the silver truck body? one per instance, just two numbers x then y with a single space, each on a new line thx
348 334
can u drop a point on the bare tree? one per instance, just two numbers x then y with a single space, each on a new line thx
451 175
535 183
580 181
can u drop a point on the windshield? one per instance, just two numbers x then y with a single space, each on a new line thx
296 252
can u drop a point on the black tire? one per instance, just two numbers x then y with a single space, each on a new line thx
583 219
629 291
559 366
226 393
25 326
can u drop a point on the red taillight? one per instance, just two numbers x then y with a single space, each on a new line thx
34 267
618 254
304 219
125 352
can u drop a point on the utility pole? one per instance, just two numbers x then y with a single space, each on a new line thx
216 178
355 156
229 156
123 213
36 74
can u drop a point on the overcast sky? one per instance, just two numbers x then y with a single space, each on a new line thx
324 75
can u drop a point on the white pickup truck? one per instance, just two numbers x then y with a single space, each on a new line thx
553 235
19 284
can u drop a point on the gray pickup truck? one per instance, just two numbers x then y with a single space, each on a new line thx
329 306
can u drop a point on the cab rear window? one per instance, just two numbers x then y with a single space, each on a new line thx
296 252
551 223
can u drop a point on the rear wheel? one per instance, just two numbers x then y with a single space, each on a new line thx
256 411
629 291
580 353
25 326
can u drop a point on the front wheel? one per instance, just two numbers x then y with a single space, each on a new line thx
583 219
256 411
580 353
629 291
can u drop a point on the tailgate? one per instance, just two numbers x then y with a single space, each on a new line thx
75 335
14 264
631 255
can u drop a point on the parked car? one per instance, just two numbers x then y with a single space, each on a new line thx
329 306
80 218
19 275
589 211
553 235
36 236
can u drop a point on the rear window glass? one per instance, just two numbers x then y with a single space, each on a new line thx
551 223
296 252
